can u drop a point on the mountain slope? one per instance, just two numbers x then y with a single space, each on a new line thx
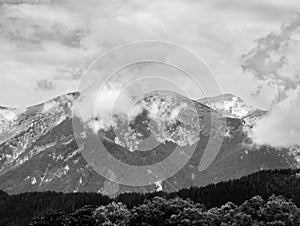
40 153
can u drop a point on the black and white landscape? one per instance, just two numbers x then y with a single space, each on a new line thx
245 134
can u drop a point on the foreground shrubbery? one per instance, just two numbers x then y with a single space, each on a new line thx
276 211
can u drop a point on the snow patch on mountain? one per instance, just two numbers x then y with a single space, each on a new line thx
8 117
229 105
232 106
8 114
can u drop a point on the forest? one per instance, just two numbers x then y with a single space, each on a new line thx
267 197
159 211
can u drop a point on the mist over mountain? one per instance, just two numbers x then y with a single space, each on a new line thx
101 121
38 150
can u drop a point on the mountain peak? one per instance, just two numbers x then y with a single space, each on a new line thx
229 105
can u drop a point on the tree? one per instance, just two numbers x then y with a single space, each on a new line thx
112 214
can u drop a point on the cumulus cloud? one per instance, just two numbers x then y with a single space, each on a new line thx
282 126
275 62
269 59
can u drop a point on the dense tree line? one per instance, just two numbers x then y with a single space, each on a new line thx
20 209
276 210
284 182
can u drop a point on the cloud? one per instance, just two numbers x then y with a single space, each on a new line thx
120 92
44 85
282 126
61 38
257 92
37 25
33 2
40 42
275 62
47 45
68 73
269 61
268 9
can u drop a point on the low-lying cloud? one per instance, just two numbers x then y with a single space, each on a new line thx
282 126
275 62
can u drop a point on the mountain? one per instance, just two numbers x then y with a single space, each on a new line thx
159 117
231 106
7 118
253 117
38 150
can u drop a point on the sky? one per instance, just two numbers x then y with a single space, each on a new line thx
47 45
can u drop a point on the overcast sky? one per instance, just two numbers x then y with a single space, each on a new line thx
251 46
45 45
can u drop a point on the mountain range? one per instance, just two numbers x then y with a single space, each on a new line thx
38 150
